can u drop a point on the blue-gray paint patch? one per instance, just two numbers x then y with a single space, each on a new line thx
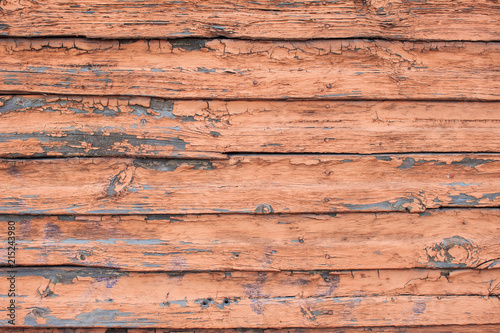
471 162
419 307
461 184
399 205
439 256
205 70
467 200
181 303
172 165
407 163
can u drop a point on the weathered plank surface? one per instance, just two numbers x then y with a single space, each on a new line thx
89 297
428 20
235 69
40 126
401 329
442 239
249 184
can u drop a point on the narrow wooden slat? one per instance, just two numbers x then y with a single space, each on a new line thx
235 69
400 329
429 20
249 184
442 239
54 297
40 126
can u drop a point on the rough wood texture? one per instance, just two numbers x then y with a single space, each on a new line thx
235 69
97 297
400 329
447 239
249 184
40 126
398 19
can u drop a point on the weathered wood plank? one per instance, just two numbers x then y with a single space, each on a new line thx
82 297
463 20
442 239
40 126
235 69
249 184
400 329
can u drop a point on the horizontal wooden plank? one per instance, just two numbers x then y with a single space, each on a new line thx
249 184
400 329
235 69
56 297
441 239
40 126
463 20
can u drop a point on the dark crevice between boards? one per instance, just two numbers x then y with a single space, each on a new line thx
96 270
386 156
177 217
349 99
129 329
221 36
279 98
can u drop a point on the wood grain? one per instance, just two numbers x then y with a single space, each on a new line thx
249 184
428 20
447 239
400 329
55 297
235 69
41 126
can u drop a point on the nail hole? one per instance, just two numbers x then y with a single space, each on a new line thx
82 257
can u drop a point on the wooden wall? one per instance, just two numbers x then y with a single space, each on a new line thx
250 166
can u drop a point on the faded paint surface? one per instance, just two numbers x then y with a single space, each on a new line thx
61 126
331 164
449 239
218 299
248 70
249 184
294 19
